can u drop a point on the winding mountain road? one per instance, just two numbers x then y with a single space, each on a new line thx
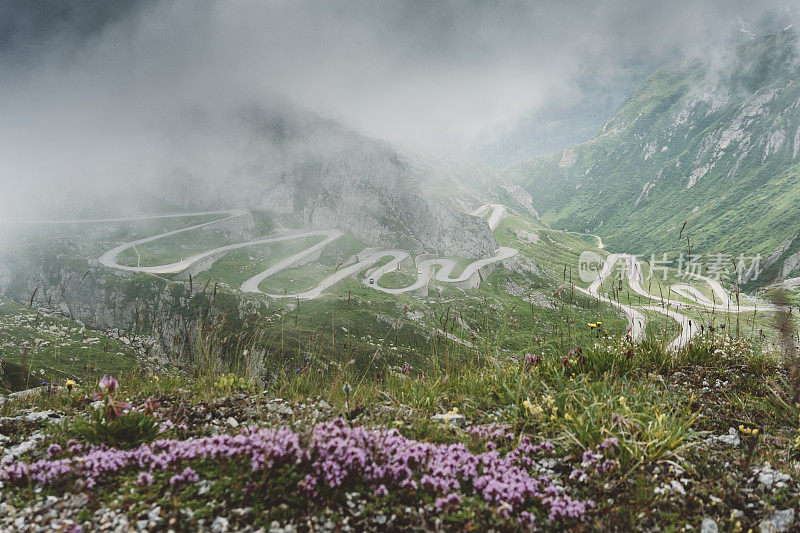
498 213
633 269
426 270
426 267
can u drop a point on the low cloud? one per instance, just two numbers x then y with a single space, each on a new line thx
89 93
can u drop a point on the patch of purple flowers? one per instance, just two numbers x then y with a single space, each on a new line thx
144 479
532 360
53 450
596 460
184 478
492 434
451 501
332 455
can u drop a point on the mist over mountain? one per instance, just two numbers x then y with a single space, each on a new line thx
280 105
87 84
287 159
710 142
623 59
564 123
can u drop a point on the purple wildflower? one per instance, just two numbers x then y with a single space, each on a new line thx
144 478
527 520
115 408
596 460
108 384
187 476
52 450
609 443
532 360
578 474
448 502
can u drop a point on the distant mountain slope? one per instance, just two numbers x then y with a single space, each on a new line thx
562 122
713 142
469 184
287 159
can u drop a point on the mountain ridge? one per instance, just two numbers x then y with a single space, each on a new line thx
290 160
690 130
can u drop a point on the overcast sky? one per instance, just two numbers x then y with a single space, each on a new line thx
82 80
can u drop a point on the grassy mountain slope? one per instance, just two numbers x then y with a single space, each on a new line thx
713 143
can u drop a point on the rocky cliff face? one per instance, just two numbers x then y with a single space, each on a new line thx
714 143
289 160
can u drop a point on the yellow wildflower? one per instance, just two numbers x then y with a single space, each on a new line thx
527 404
534 410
